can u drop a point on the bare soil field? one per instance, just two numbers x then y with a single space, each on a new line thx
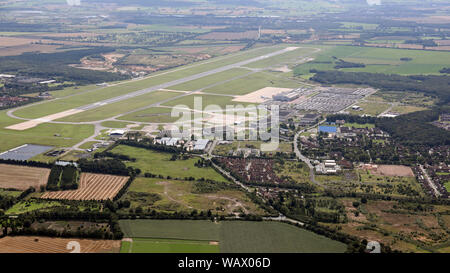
34 244
261 95
390 170
92 187
22 177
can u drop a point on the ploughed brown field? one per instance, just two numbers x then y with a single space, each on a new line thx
22 177
34 244
92 187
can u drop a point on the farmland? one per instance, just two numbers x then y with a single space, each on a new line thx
160 164
34 244
92 187
232 236
21 177
378 60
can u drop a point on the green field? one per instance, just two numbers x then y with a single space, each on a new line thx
447 186
31 205
210 80
233 236
207 100
288 57
178 195
115 124
160 164
63 104
120 107
370 108
379 60
145 245
151 115
59 135
357 125
252 83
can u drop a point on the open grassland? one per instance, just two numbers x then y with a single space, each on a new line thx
371 108
145 245
209 80
59 135
31 205
207 100
177 195
96 95
34 244
252 83
273 237
405 109
115 124
151 115
160 164
187 102
232 236
404 226
118 108
21 177
379 60
92 187
13 193
289 57
199 230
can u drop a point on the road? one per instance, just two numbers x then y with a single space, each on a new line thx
280 218
430 181
304 158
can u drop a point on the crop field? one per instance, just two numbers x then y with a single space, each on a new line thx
22 178
177 195
379 60
231 236
160 164
92 187
34 244
145 245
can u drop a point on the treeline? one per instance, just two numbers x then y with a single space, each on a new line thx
105 166
343 64
415 128
63 178
445 70
149 146
352 118
56 66
432 85
114 156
